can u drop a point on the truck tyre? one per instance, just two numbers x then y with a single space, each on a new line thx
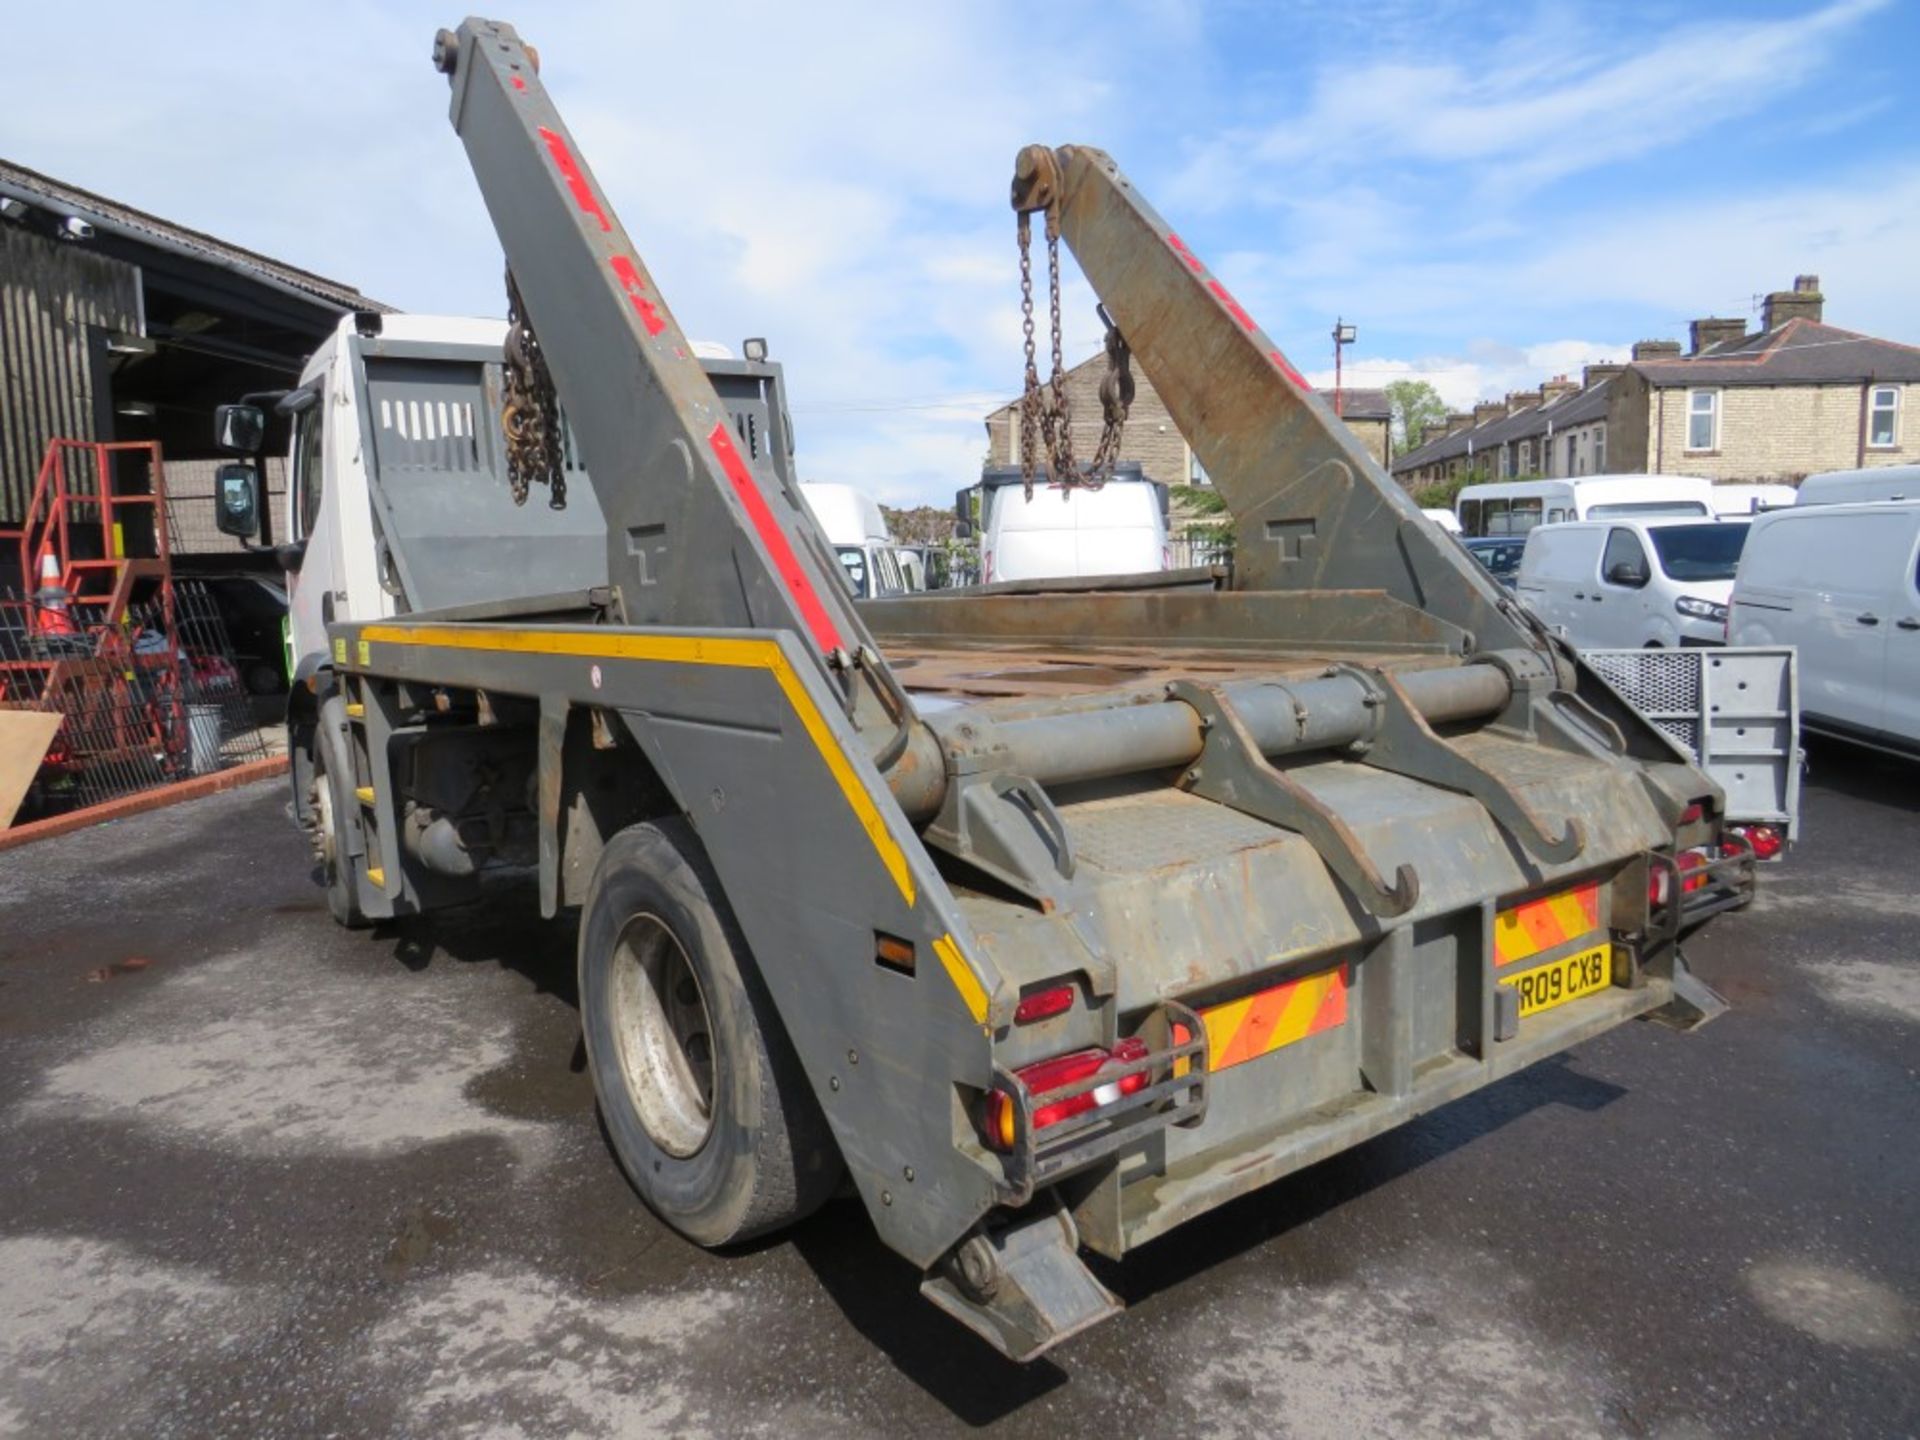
703 1099
333 866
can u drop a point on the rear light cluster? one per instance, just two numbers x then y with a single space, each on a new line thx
1046 1076
1765 842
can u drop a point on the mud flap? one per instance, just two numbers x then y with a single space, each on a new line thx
1694 1001
1022 1289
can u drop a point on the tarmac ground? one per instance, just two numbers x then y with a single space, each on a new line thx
262 1176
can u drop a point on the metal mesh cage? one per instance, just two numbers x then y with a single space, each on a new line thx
1663 685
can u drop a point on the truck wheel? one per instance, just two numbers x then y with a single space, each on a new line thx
333 867
703 1098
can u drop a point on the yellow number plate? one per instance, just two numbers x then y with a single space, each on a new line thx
1546 986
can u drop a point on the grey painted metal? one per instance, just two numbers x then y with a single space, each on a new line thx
1734 710
447 528
1282 717
56 304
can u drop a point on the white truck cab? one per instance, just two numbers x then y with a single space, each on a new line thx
397 494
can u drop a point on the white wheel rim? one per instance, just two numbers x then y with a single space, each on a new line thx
663 1035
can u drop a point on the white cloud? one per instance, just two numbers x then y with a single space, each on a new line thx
1552 99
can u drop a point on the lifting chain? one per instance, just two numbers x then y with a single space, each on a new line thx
530 411
1046 414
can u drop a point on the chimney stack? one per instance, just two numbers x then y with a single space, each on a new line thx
1458 420
1656 349
1518 400
1554 389
1487 411
1803 302
1597 374
1711 330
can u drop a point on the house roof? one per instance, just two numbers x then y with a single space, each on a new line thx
1800 352
1579 407
43 191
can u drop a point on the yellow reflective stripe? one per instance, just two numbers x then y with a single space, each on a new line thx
963 977
686 650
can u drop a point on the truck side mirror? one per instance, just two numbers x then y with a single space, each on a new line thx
236 498
1627 573
239 429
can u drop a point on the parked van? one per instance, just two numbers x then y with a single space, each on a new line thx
856 529
1118 529
1513 507
1742 500
1445 519
1611 585
1842 582
1849 487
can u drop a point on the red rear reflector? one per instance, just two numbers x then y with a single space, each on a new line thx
1692 813
1063 1070
1043 1004
1765 841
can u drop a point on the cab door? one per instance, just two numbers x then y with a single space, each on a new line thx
1617 604
310 588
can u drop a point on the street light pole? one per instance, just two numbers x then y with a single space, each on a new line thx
1343 335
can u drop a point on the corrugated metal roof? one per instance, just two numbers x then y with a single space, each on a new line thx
99 211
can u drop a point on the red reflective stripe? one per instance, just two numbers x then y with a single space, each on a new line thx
1233 306
1286 368
1185 254
819 623
629 277
518 83
570 172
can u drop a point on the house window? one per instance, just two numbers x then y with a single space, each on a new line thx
1883 417
1703 420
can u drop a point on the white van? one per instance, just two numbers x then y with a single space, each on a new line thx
1513 507
1118 529
1741 500
1445 519
1842 582
1628 584
1849 487
856 529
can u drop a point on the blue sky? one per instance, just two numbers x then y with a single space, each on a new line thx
1493 194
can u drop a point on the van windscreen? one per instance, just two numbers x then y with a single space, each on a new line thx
1647 507
1699 552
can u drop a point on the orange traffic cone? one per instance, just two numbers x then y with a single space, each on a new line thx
51 616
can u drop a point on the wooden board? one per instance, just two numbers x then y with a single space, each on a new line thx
24 737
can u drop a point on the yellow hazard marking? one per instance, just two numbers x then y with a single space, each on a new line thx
339 651
355 710
119 541
361 653
1258 1024
964 980
377 877
1527 929
364 794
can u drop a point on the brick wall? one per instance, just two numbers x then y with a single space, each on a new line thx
1779 432
1150 437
